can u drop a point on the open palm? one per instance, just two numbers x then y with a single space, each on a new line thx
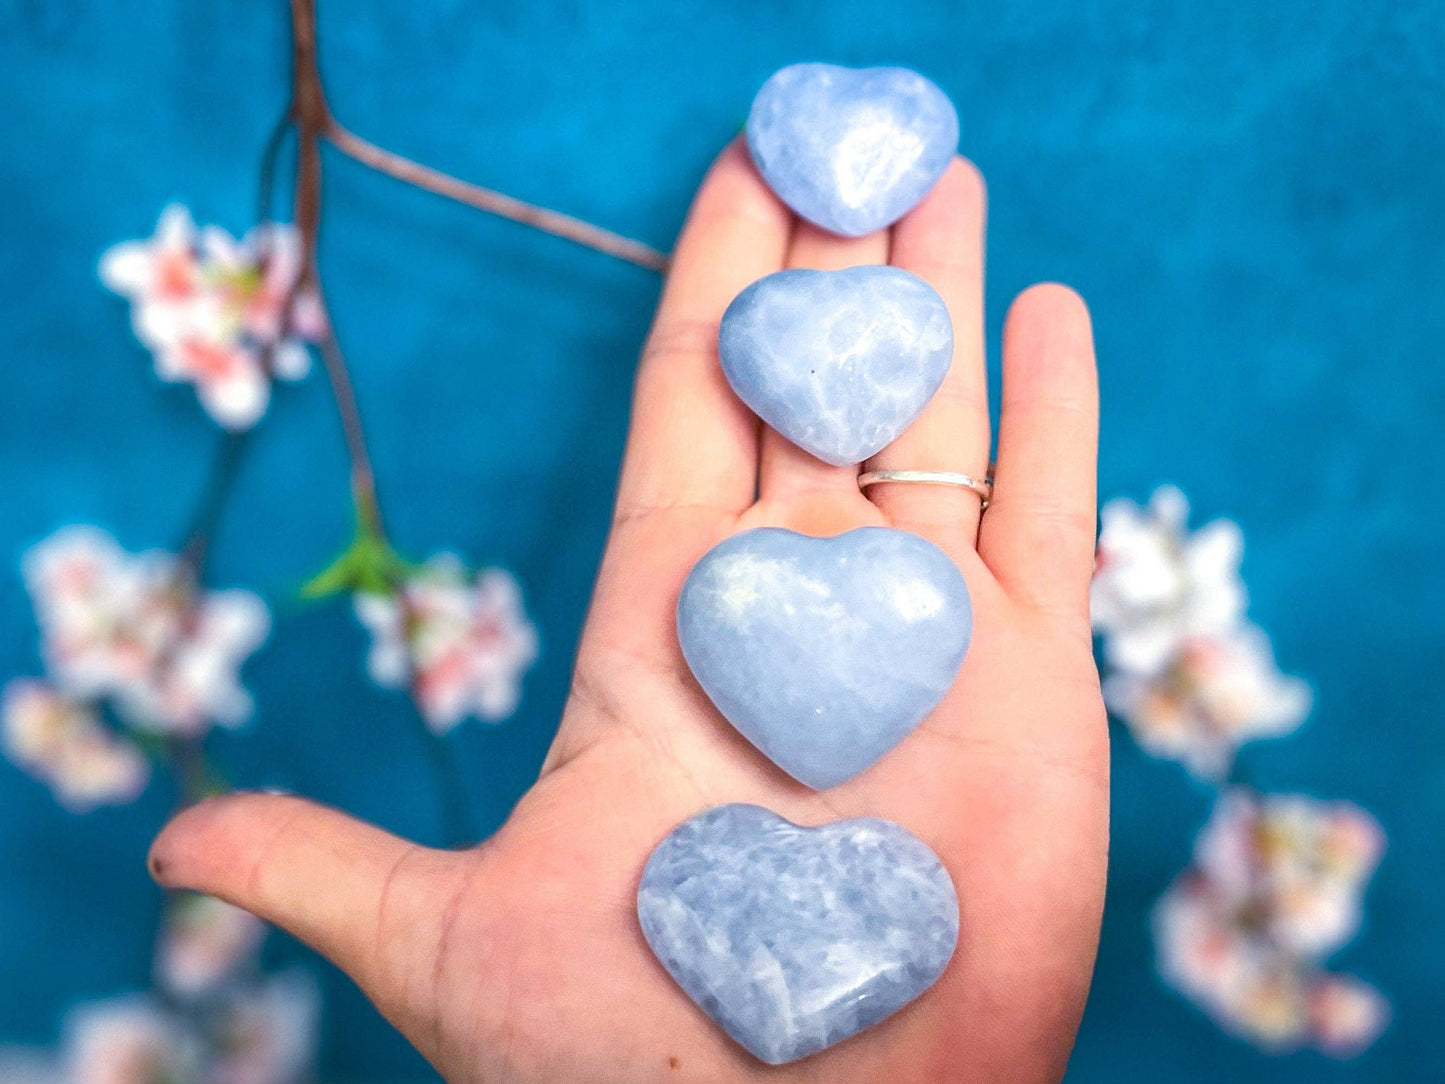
522 959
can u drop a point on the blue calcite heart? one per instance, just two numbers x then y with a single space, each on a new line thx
824 652
791 938
839 362
852 149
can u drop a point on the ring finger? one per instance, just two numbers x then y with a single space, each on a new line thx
941 241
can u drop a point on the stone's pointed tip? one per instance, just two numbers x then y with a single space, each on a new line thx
851 149
774 929
824 653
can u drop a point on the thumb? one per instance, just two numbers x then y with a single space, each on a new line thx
366 900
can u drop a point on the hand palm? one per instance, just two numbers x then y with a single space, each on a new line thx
522 959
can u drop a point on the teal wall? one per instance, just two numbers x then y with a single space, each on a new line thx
1249 195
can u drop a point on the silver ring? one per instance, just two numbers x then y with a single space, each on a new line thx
983 488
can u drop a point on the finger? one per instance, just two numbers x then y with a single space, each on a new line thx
692 443
787 475
941 241
318 874
1038 534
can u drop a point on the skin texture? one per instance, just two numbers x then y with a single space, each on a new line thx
521 959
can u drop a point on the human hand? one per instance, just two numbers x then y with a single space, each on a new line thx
521 959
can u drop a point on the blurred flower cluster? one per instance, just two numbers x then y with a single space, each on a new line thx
226 315
133 633
1188 674
213 1018
1275 887
1277 881
459 642
141 661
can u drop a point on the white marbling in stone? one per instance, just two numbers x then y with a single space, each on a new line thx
839 362
825 653
791 938
851 149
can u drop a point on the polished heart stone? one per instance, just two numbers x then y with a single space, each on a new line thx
839 362
824 652
852 149
791 938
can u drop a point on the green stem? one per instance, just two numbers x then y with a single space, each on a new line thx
217 492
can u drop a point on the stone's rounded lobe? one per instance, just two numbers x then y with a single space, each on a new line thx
824 653
791 938
839 362
851 149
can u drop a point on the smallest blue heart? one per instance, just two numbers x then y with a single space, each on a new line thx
839 362
851 149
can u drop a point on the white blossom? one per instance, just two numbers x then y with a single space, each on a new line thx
203 943
129 1040
132 627
460 643
65 744
223 314
266 1033
1215 694
1157 585
1275 887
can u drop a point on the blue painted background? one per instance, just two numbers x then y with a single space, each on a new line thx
1250 198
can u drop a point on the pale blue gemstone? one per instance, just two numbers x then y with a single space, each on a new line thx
852 149
839 362
793 939
825 653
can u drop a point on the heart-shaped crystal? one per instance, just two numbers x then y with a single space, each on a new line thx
825 653
851 149
839 362
791 938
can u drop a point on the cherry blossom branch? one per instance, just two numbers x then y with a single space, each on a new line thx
269 157
224 467
311 117
497 203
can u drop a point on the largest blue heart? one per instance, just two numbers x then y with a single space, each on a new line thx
839 362
825 653
851 149
791 938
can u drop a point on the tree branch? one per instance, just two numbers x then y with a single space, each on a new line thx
549 221
311 118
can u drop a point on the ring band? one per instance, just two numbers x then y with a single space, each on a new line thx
984 487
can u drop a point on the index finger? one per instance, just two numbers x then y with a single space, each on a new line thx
692 442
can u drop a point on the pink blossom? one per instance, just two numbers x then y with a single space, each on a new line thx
222 314
1275 887
129 1040
65 744
159 272
459 642
1346 1014
1215 693
1241 980
1157 585
266 1033
199 346
1297 865
133 627
261 1032
203 943
1191 678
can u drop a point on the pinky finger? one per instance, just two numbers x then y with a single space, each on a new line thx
1038 533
